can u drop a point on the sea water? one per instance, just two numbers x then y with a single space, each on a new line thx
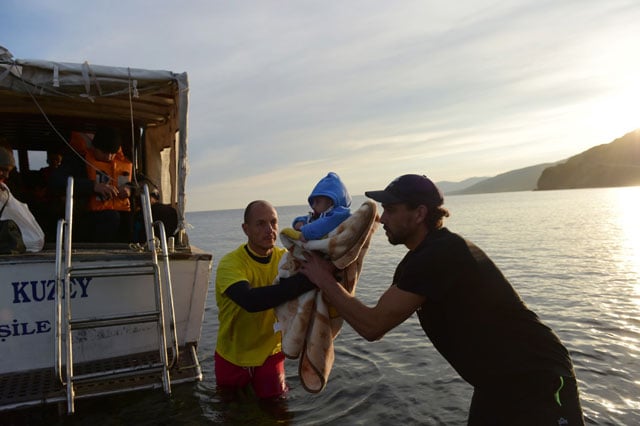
572 255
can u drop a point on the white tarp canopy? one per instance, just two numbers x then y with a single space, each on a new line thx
40 98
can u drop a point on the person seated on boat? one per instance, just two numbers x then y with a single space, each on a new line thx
248 350
165 213
31 236
47 206
11 176
102 180
54 160
329 201
7 164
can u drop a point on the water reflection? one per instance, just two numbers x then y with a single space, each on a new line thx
241 408
628 212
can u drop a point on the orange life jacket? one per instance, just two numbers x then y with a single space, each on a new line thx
116 172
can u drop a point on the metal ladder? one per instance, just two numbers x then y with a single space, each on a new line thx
66 323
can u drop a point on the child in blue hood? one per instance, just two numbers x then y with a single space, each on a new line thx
329 202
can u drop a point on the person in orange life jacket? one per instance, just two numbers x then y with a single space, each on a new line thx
102 178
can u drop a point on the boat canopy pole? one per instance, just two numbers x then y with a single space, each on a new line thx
183 107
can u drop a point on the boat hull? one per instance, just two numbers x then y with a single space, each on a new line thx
28 307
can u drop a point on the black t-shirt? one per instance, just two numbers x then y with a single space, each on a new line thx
473 316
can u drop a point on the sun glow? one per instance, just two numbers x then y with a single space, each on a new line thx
615 115
611 70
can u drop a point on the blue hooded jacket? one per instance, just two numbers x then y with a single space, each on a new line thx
329 186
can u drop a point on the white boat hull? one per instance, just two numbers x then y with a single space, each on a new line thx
27 308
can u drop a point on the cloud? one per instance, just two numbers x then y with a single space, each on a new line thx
282 92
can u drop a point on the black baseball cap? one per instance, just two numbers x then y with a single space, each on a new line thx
417 189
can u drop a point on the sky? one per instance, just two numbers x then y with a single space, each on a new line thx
283 92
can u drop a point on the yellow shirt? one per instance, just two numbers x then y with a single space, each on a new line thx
244 338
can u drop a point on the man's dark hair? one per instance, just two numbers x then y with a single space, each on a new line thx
435 215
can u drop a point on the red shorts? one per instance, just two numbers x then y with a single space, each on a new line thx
267 380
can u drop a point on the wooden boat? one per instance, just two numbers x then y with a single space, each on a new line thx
133 315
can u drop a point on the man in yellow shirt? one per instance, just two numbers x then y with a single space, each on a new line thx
248 350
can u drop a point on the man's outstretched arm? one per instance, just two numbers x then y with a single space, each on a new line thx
393 307
263 298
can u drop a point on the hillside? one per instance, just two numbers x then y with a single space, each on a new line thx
614 164
524 179
608 165
449 187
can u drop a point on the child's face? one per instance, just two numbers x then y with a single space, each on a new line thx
321 204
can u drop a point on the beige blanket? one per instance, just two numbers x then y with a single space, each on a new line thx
308 324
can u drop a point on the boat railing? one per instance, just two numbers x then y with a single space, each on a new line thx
66 323
150 227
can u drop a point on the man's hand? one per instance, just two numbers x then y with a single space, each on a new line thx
124 191
318 270
105 190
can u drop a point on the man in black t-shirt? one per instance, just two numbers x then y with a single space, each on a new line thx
521 372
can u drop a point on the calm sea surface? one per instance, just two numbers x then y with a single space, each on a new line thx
574 257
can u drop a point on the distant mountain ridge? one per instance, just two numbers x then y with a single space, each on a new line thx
449 187
614 164
524 179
